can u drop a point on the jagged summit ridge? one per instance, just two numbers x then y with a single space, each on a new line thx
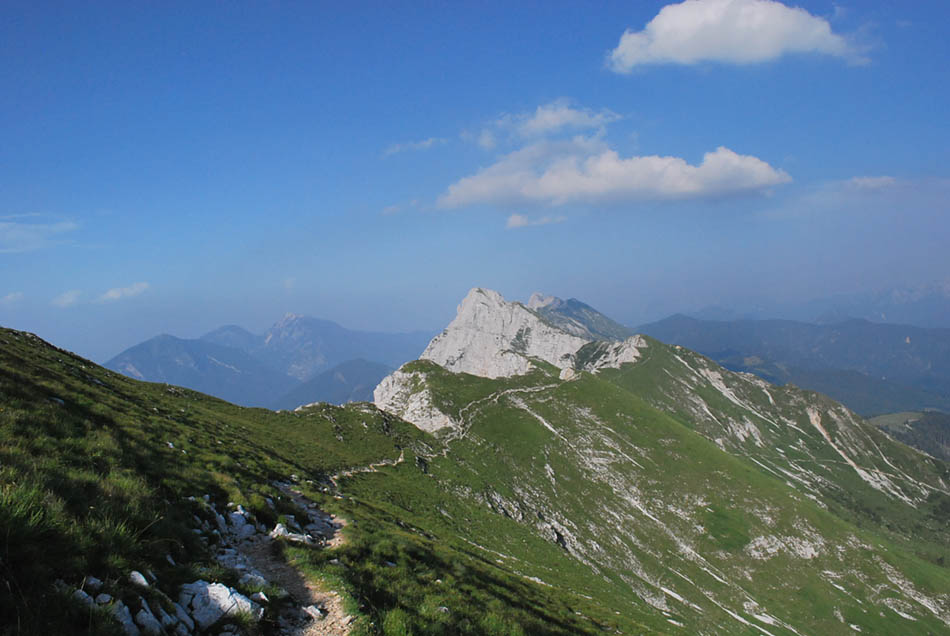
491 337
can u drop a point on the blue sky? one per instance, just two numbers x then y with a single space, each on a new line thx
171 167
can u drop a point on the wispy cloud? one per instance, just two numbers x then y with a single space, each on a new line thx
396 208
871 183
729 31
117 293
585 169
29 232
559 116
520 220
425 144
67 299
11 299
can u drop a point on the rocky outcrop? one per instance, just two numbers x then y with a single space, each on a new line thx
209 602
610 355
405 394
493 338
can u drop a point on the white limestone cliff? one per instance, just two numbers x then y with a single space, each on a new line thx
493 338
610 355
405 394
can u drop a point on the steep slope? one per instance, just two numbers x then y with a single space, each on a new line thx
575 317
874 367
494 338
929 431
686 485
350 381
668 518
226 372
101 475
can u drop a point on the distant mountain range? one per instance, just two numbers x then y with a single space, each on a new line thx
922 306
273 369
873 368
350 381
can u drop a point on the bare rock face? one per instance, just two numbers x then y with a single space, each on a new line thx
610 355
405 394
493 338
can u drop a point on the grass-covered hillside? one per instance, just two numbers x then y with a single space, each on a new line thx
101 475
725 504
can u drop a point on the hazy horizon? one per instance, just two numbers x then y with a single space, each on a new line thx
175 168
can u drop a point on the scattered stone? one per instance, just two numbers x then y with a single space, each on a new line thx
260 597
170 560
147 621
104 598
250 579
443 609
168 621
183 616
124 616
136 579
92 584
314 612
389 564
84 598
210 601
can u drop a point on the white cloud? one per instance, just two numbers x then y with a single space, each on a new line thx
118 293
557 116
11 299
585 169
871 183
729 31
67 299
520 220
28 232
546 120
425 144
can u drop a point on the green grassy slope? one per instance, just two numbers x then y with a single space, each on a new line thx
692 525
96 470
814 444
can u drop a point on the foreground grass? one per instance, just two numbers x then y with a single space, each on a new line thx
96 471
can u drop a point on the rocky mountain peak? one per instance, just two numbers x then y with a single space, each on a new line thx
492 337
540 301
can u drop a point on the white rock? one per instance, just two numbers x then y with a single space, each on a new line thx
405 394
314 612
493 338
211 601
610 355
260 597
136 579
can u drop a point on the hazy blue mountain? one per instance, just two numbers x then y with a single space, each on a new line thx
224 372
260 369
873 368
302 346
350 381
235 336
922 306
